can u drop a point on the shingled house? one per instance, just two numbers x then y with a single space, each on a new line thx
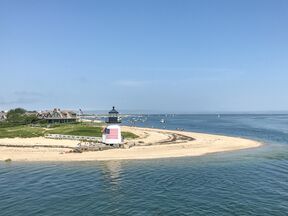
58 116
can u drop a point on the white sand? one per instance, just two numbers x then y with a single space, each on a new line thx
151 144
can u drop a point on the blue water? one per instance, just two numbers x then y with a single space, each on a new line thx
247 182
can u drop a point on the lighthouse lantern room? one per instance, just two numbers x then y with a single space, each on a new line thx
112 132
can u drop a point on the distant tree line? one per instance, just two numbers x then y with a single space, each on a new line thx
19 116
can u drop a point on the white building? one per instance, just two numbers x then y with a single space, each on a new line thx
112 133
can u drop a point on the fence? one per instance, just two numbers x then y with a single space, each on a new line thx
72 137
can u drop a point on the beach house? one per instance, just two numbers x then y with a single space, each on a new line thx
58 116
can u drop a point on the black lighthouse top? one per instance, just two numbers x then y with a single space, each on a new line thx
113 117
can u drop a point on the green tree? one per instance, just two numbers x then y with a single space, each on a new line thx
19 116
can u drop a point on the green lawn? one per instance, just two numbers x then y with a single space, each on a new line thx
66 129
77 130
84 130
21 131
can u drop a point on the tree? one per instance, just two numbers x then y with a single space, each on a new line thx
18 116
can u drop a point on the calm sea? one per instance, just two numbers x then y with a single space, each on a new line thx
247 182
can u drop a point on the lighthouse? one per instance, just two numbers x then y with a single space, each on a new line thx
112 133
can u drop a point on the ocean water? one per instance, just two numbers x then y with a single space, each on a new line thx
246 182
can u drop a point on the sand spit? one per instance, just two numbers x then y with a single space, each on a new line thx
151 144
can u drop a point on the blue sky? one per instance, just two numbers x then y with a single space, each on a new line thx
178 56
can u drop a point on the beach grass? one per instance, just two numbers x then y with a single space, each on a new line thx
26 131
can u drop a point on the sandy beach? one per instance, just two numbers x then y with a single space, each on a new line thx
151 144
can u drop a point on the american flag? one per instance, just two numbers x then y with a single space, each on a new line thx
112 133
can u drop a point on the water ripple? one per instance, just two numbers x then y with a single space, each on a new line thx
252 182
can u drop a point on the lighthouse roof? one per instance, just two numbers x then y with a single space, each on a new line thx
113 111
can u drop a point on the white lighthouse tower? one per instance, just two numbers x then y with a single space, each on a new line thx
112 133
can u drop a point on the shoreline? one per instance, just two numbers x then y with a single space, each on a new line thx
151 144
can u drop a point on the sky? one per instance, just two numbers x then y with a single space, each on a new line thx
155 55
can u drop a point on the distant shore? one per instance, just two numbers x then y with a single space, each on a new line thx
151 144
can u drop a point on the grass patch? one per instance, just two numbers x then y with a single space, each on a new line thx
26 131
21 131
85 130
129 135
77 130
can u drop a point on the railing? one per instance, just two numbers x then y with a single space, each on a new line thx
72 137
